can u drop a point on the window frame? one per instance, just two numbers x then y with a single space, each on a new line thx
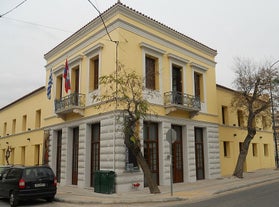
226 148
157 54
94 74
201 70
151 69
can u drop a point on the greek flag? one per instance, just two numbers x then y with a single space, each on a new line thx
49 85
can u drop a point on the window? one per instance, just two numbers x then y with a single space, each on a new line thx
266 152
37 154
58 155
5 129
24 122
75 79
152 61
151 154
94 55
14 126
94 73
224 115
226 146
22 155
59 81
198 85
131 161
255 150
13 174
95 150
38 119
177 88
240 119
151 73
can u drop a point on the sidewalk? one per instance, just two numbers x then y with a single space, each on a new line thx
182 191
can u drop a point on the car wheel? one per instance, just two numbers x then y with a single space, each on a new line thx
13 199
50 199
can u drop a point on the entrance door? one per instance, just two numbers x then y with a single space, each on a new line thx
75 156
150 135
95 151
58 155
199 153
177 85
177 156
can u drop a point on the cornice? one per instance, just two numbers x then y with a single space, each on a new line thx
119 8
177 58
197 66
152 48
139 17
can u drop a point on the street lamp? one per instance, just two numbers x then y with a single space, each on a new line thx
273 120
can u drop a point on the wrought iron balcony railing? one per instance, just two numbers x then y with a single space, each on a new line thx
69 103
182 100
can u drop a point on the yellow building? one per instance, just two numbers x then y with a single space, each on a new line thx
79 139
178 71
232 132
21 129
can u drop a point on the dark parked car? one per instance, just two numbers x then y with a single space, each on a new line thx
3 168
21 183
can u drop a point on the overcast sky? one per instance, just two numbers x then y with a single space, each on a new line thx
238 28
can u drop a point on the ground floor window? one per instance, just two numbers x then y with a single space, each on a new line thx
58 155
177 155
199 152
75 155
150 136
95 151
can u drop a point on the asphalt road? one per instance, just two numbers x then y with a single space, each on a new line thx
5 203
266 195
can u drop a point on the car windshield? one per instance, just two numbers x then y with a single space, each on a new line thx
42 172
2 169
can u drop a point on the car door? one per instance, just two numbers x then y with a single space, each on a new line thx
2 179
9 182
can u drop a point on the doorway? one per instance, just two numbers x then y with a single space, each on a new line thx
177 155
199 152
75 156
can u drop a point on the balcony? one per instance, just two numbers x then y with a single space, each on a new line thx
73 103
181 101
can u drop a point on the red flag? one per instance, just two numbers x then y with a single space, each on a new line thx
66 76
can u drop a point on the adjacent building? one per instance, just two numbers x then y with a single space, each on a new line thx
77 138
21 130
232 132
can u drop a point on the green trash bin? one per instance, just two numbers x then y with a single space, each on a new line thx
104 182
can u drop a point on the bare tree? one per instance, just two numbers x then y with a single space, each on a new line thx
253 86
125 90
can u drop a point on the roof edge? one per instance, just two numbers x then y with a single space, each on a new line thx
23 97
109 12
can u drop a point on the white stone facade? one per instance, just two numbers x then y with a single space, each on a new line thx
113 150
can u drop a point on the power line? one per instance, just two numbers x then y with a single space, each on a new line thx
12 9
100 15
39 25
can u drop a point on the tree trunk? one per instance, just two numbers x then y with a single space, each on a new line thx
153 187
135 148
238 172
